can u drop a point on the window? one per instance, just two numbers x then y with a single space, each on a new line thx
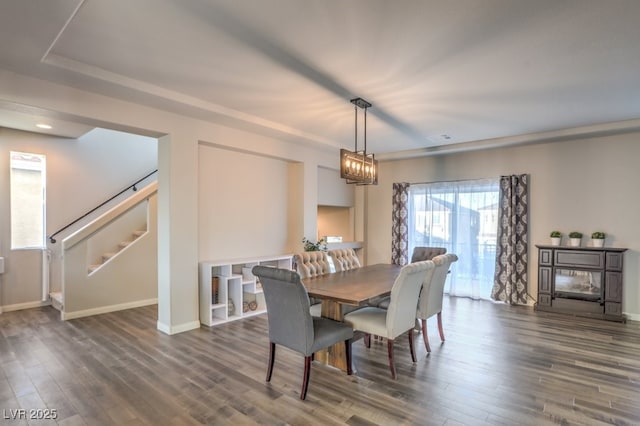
462 217
27 200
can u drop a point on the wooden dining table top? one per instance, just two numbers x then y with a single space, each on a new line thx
355 286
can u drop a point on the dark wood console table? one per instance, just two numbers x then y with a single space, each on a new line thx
582 281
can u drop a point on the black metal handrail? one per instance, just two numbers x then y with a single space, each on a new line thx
132 186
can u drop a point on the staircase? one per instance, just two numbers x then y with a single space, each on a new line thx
56 300
121 246
56 297
106 266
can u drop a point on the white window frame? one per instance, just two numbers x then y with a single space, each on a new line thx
27 161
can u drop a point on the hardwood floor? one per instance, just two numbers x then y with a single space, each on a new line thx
500 365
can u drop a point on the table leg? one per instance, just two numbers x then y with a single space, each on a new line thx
334 355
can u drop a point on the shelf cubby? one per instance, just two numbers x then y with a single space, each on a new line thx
236 283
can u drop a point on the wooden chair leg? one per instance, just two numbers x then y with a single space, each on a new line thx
392 364
347 352
367 340
424 335
440 326
305 379
272 357
411 347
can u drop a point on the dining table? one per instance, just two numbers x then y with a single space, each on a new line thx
352 288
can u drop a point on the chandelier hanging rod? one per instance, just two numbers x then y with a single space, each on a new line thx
360 103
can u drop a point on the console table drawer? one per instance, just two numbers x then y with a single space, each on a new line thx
577 258
614 261
545 257
544 299
611 308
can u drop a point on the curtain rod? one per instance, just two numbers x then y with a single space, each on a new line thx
450 181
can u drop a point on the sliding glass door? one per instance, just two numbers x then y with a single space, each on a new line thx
461 216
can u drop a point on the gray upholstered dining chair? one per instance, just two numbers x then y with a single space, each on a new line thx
311 264
291 324
430 302
344 259
426 253
400 317
419 254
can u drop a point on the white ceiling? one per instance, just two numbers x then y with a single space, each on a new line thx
482 72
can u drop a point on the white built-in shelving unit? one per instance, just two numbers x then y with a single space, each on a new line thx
239 293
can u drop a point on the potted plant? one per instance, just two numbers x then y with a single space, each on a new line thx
597 239
321 245
575 238
556 237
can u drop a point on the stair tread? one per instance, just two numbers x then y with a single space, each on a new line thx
56 300
121 246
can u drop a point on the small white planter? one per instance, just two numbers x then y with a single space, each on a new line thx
597 242
575 242
555 241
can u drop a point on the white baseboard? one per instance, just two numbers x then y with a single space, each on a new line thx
632 317
187 326
107 309
26 305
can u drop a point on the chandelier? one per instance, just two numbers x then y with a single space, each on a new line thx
357 166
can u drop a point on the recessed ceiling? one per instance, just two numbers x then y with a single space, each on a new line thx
438 73
36 120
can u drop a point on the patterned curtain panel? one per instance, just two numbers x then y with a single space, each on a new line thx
510 284
399 223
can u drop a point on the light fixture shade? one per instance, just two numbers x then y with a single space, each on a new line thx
358 167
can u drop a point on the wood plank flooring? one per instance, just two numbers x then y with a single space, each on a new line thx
500 365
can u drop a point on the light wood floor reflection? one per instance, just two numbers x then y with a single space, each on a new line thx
499 365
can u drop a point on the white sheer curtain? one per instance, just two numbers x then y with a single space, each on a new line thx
463 217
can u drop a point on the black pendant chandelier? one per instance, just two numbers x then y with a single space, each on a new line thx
357 166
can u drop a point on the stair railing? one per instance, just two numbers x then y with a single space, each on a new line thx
132 186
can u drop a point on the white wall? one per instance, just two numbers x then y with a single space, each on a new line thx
582 185
81 173
92 168
333 191
242 203
336 221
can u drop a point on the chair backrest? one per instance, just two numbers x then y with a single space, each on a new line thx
426 253
290 322
432 293
403 303
312 263
344 259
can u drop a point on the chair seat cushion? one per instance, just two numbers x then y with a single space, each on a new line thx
316 310
369 320
327 332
